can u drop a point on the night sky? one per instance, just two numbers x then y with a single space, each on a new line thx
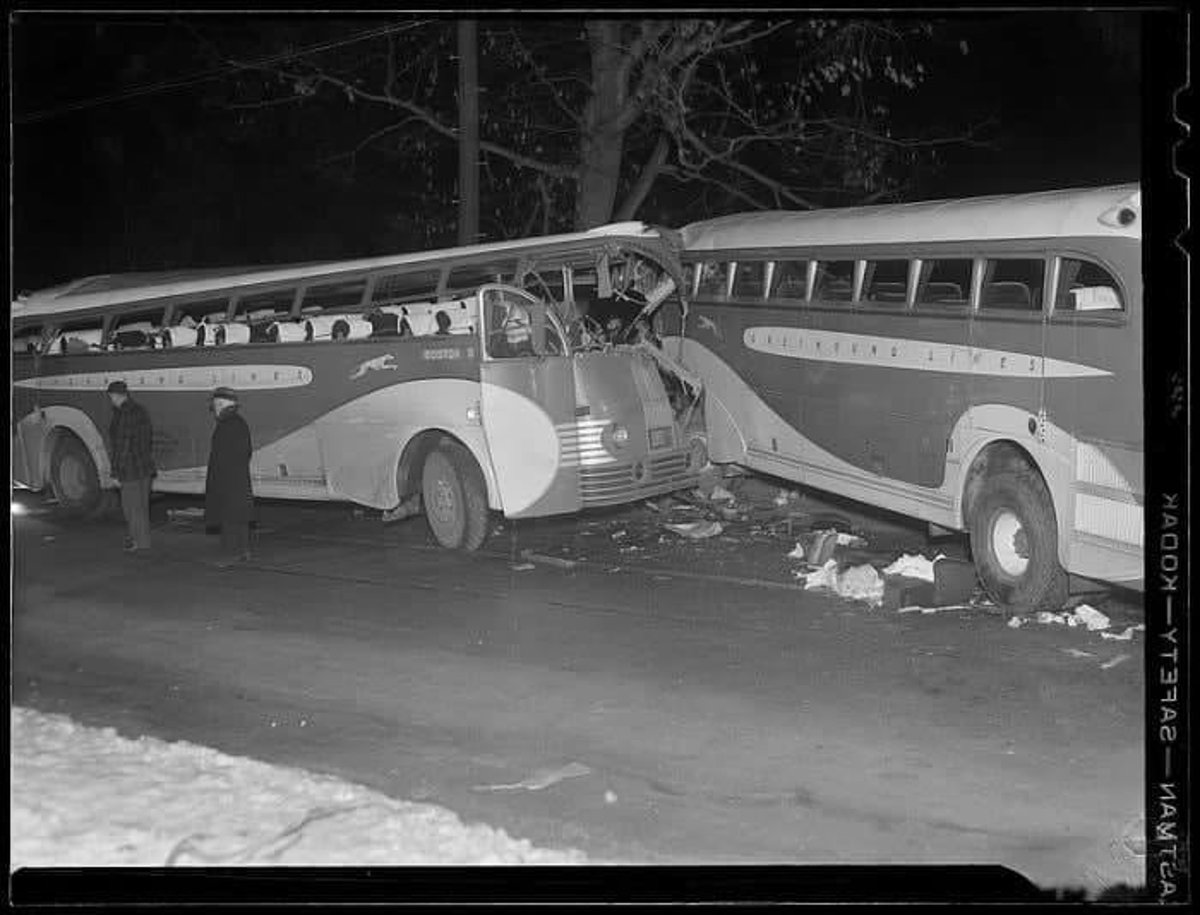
157 178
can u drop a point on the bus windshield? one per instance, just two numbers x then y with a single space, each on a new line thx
519 325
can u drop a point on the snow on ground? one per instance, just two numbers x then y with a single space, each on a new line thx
84 796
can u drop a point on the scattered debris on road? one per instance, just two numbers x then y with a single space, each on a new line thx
1077 653
543 559
524 567
1089 616
913 566
1110 664
861 583
934 609
696 530
542 778
721 494
1124 635
1082 615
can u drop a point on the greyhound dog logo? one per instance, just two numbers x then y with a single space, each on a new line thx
378 364
709 324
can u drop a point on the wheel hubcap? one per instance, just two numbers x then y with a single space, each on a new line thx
1010 544
72 478
443 501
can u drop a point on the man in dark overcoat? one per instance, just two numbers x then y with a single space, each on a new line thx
130 442
228 498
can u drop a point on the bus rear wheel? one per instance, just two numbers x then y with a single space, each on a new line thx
74 479
1014 542
455 497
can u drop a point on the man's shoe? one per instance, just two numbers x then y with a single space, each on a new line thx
129 544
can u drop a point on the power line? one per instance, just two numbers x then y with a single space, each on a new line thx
209 75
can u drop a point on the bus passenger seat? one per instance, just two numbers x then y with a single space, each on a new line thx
943 292
81 341
461 321
888 292
421 319
351 328
384 323
286 332
181 336
229 334
1009 294
320 327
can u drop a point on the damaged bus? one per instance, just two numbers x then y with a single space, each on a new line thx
973 363
461 380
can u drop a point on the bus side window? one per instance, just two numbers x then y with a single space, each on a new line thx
78 338
140 330
27 341
261 310
714 278
945 282
748 279
790 280
1013 284
886 282
1086 286
344 296
835 281
689 279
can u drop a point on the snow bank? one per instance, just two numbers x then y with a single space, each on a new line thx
86 797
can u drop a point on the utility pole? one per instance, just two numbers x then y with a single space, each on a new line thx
468 133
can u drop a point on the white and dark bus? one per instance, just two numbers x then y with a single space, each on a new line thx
973 363
447 375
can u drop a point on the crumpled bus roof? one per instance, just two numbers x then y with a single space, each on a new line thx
95 292
1079 212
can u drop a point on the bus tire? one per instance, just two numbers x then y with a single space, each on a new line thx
74 479
1014 542
455 498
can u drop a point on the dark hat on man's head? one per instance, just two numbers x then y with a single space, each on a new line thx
118 387
225 394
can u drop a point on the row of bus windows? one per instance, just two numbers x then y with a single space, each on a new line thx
1005 284
321 311
198 325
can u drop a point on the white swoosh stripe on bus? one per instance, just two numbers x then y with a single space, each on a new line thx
180 378
913 355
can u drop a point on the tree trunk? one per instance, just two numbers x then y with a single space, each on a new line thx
602 141
645 180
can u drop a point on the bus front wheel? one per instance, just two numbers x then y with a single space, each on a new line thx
455 498
1014 541
74 479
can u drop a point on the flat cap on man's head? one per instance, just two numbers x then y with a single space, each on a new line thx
118 387
225 394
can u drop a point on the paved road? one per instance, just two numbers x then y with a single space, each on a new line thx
720 721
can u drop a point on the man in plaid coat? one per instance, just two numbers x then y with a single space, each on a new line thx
130 443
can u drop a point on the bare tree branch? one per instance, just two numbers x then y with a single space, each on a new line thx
305 83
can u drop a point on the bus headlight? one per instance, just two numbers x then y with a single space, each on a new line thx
620 436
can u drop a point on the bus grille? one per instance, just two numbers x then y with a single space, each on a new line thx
616 484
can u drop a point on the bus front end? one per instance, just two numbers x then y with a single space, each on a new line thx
631 439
